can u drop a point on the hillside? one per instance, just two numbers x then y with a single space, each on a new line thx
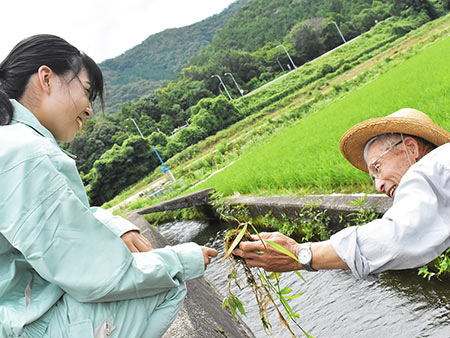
149 65
260 22
188 109
272 152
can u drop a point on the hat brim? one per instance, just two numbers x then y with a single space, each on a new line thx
352 143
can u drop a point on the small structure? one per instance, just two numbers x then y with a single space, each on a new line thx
199 199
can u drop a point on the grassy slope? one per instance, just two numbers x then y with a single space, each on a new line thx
264 170
307 153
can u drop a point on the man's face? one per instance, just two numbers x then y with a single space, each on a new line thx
387 163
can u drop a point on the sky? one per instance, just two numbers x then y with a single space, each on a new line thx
102 29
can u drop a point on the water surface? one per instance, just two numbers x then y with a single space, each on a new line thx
335 304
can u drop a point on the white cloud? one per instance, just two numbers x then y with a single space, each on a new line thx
101 28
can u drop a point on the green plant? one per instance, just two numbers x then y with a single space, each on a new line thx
313 223
438 268
264 285
363 215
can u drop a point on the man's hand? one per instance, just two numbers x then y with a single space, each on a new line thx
136 242
263 255
207 254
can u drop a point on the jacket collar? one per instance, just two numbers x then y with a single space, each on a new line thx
25 116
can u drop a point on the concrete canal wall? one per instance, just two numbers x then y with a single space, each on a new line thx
335 205
282 207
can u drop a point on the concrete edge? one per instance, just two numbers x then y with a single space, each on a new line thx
335 205
196 198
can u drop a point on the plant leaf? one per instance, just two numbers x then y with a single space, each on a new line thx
300 275
294 296
235 242
240 307
274 275
285 291
281 249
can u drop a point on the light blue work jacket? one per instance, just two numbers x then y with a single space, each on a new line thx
52 242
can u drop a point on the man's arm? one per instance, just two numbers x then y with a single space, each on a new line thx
261 254
325 257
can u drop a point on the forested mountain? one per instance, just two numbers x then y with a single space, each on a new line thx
261 22
248 47
149 65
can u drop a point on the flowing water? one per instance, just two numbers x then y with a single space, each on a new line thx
335 304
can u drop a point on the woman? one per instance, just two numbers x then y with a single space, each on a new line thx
64 269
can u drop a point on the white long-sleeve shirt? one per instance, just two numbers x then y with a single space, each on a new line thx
414 231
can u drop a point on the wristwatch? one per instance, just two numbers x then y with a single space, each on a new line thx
305 256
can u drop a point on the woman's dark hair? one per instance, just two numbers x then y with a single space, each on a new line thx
36 51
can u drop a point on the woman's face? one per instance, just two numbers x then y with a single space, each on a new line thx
69 105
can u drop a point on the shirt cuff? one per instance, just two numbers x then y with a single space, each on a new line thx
345 243
191 257
116 224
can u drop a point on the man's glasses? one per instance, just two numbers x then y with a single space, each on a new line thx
377 166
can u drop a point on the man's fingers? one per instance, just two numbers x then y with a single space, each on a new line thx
247 254
252 246
136 242
263 235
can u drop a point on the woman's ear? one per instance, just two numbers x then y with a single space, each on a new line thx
45 77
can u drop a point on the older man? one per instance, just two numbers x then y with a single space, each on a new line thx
408 158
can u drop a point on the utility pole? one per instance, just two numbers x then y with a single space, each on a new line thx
340 33
240 90
164 169
282 69
137 127
223 85
292 62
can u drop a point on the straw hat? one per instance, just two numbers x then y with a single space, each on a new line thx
406 121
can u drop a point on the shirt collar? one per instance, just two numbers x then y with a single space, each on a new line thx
25 116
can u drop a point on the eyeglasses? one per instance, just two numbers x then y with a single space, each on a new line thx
377 166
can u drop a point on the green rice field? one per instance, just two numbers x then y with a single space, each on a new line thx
306 156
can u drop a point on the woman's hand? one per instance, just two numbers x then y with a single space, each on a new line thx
263 255
136 242
207 254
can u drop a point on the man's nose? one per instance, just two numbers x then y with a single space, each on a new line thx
379 185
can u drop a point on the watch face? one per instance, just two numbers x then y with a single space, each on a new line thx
304 256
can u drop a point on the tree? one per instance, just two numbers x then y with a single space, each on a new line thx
214 114
95 138
306 39
120 167
157 138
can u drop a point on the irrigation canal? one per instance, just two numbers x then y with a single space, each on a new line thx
335 304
